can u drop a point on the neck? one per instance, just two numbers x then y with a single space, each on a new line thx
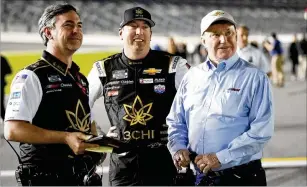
62 56
214 61
136 55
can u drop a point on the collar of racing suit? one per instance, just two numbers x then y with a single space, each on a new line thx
58 64
134 62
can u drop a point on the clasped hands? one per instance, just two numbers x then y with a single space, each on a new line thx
204 162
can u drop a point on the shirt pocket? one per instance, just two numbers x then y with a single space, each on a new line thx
230 102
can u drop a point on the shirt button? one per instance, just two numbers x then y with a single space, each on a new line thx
244 153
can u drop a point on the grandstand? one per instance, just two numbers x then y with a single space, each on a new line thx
173 17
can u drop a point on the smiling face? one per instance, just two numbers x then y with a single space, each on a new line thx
67 33
220 41
136 36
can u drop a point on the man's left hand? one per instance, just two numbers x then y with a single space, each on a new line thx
207 162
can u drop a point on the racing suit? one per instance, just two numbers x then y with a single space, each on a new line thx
48 96
137 97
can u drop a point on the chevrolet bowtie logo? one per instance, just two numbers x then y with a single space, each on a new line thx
218 13
151 71
137 113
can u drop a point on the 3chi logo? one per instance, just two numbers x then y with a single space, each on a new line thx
138 11
82 124
137 113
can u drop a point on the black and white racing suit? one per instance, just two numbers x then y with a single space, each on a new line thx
137 97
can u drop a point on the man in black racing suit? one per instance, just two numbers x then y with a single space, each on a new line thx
138 86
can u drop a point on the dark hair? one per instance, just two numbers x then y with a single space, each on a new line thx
48 17
273 34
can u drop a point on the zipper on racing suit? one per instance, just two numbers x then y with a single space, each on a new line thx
136 72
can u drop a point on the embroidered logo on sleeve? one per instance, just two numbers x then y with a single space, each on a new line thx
100 68
15 95
20 78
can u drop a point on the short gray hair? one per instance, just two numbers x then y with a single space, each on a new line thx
48 18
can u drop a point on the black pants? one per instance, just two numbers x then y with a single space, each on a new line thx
294 66
251 174
32 175
143 167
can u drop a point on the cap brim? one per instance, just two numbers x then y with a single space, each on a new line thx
151 23
218 19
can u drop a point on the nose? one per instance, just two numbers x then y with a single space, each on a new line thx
139 30
222 38
77 29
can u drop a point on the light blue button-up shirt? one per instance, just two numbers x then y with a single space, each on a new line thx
225 110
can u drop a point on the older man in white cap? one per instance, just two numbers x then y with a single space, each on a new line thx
222 116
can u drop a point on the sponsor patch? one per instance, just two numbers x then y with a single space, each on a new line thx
54 90
176 59
112 93
54 78
159 80
159 88
66 85
120 74
15 95
20 78
17 87
146 81
125 82
151 71
99 68
62 85
52 86
113 83
135 63
14 103
112 88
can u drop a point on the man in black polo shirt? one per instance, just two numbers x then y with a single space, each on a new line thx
138 86
48 111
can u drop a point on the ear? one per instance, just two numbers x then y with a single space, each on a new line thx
202 38
120 32
48 33
150 34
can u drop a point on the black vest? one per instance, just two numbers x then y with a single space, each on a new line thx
64 107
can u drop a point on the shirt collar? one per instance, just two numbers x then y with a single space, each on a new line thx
57 64
134 62
224 65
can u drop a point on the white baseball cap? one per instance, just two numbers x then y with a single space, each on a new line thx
215 15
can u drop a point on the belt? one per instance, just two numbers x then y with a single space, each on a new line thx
250 166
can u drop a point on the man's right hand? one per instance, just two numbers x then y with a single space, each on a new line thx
182 158
75 140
